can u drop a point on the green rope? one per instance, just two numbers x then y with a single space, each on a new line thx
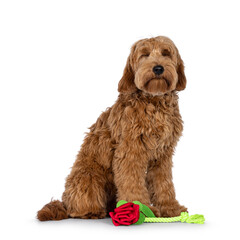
184 217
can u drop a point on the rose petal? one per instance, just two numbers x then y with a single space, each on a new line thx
136 213
122 213
119 209
122 222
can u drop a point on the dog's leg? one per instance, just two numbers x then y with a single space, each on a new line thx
161 188
129 167
85 194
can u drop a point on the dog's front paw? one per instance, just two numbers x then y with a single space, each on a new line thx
172 210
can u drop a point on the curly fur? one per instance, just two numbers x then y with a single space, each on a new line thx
52 211
128 152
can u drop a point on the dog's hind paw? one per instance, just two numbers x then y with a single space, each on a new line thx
97 215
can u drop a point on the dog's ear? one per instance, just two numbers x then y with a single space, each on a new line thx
182 81
126 84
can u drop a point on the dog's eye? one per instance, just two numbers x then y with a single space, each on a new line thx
144 55
166 52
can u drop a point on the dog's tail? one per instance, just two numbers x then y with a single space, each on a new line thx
54 210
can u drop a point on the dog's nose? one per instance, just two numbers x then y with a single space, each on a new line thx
158 69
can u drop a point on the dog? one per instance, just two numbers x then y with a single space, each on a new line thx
127 154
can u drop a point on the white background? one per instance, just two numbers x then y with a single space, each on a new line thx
60 63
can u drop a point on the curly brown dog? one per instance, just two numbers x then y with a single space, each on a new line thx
127 155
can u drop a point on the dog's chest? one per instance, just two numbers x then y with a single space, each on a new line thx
163 126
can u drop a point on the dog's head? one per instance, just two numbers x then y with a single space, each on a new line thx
153 66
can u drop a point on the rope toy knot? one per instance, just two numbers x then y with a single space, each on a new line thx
197 218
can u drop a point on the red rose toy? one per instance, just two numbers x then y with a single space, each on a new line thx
130 213
126 214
